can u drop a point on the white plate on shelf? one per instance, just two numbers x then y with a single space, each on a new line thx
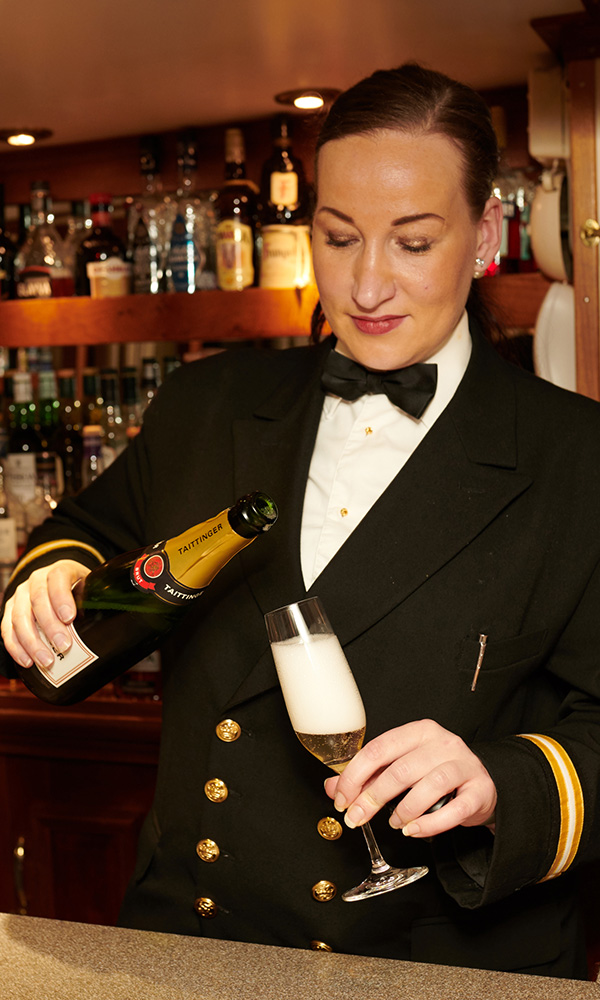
554 339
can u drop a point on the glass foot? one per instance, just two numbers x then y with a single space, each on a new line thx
384 881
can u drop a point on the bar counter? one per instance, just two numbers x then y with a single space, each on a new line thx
58 960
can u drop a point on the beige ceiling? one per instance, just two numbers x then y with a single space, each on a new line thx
90 69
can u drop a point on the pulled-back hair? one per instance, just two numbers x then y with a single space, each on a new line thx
417 100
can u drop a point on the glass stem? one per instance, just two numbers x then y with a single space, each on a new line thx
377 861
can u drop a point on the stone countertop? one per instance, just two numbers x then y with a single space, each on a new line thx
56 960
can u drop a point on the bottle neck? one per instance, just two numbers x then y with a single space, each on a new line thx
197 555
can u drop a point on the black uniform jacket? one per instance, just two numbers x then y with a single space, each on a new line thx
492 527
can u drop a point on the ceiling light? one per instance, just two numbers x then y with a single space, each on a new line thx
308 98
24 136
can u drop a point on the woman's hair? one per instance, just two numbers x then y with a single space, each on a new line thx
421 101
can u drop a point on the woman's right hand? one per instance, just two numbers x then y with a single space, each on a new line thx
46 598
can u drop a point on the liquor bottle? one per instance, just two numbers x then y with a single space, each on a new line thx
237 213
7 256
126 607
190 250
131 405
23 442
285 231
67 440
40 268
91 403
78 226
48 407
92 464
8 537
146 222
101 265
111 420
150 381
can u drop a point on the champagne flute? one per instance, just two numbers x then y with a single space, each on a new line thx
327 712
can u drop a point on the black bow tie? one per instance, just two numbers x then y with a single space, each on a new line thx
411 388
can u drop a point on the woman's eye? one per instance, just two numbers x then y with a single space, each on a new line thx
339 240
416 247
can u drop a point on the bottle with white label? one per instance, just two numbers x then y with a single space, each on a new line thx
236 210
285 232
127 606
101 265
24 444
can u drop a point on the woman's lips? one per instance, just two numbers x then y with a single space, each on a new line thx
376 325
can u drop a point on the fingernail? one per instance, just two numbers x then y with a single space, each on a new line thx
65 613
339 803
411 829
354 817
61 642
43 658
395 822
25 661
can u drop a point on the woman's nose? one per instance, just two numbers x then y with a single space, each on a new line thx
373 280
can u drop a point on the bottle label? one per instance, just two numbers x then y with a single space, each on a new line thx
20 475
284 188
185 259
286 258
35 283
67 665
235 246
8 540
152 571
109 277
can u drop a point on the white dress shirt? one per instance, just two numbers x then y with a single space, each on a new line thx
360 447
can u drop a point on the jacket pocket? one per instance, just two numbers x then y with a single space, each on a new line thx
516 653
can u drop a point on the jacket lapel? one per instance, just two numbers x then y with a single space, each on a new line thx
460 477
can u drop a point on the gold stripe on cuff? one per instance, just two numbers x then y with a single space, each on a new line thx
570 796
62 543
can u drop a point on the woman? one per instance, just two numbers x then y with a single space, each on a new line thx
452 536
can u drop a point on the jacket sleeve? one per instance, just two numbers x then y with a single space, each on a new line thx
547 782
103 520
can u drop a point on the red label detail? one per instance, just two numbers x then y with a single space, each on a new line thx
154 566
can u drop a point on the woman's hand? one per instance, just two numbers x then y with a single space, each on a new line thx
44 598
425 761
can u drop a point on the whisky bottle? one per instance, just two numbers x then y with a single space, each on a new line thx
126 606
236 210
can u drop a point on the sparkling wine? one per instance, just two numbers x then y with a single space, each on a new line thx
126 606
335 749
321 696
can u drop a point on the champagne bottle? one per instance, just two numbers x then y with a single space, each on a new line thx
126 606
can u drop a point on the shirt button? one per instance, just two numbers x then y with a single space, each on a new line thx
320 946
205 907
207 850
344 512
329 828
216 790
228 731
368 430
323 891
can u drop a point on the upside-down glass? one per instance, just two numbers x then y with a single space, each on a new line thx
326 712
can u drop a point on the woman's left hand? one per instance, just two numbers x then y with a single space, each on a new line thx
425 761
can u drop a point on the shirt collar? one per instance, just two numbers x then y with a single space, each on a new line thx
452 360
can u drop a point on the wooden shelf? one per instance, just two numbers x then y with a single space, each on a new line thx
211 316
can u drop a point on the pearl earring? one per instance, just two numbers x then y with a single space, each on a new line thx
480 262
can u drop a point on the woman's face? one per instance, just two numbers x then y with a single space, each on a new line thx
394 244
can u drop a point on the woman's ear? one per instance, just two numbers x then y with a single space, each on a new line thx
489 231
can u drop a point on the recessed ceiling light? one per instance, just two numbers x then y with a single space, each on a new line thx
308 98
24 136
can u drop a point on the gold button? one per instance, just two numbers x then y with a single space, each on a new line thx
228 731
216 790
323 891
320 946
344 512
329 828
368 430
205 907
207 850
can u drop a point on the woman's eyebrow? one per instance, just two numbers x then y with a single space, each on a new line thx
402 221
